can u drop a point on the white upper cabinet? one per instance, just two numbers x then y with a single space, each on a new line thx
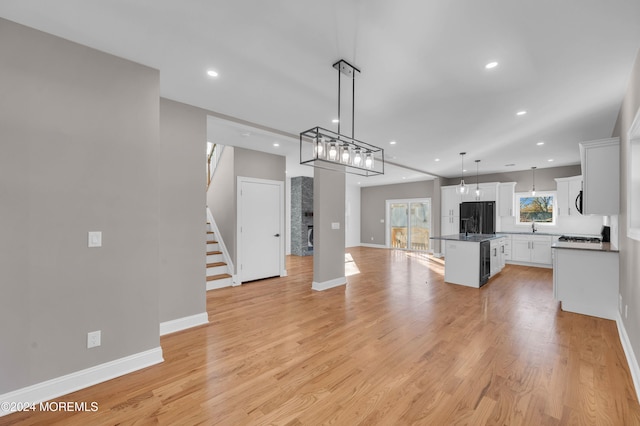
449 201
505 198
600 161
488 192
568 190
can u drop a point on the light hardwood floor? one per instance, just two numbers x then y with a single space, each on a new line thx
395 346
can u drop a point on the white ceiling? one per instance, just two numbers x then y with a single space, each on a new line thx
423 81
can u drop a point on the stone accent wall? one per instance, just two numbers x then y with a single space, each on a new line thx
301 215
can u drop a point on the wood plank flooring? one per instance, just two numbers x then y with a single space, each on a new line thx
395 346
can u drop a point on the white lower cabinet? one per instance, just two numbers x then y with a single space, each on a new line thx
531 249
497 255
587 281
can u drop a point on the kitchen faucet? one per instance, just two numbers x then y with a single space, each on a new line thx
533 226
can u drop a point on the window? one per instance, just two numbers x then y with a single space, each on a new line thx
539 208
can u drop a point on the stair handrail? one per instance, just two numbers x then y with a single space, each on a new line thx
212 161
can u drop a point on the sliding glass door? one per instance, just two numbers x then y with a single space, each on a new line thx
409 224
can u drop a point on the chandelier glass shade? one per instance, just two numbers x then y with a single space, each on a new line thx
462 187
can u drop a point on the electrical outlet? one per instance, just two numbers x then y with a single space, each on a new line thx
93 339
95 239
626 311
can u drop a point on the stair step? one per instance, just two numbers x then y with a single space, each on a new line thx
210 232
212 242
218 277
215 264
209 253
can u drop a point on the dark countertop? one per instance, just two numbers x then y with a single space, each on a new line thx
606 247
472 238
529 233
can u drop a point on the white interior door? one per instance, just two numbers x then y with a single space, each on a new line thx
260 228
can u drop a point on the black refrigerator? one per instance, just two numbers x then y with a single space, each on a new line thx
478 217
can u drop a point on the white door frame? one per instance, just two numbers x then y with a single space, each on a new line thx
387 225
280 184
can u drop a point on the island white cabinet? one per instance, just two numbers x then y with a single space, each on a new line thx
531 249
505 199
600 161
568 190
497 255
462 264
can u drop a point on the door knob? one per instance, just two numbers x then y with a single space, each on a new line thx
277 235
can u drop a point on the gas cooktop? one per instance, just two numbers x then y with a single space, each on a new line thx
572 239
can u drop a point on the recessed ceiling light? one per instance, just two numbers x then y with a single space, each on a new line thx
245 134
276 144
212 73
550 160
392 143
509 165
491 65
521 112
464 170
437 159
335 120
540 143
358 183
403 177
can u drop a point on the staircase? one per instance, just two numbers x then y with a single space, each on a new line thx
217 269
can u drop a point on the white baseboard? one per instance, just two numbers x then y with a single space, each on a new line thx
64 385
535 265
235 279
183 323
374 245
325 285
283 273
632 361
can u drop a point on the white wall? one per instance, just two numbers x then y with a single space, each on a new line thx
352 216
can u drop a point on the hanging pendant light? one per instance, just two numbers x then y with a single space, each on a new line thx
478 192
462 188
339 152
533 187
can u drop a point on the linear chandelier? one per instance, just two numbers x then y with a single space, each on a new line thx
327 149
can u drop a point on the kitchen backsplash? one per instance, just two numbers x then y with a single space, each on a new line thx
587 225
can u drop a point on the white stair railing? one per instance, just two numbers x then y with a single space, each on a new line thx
214 228
212 161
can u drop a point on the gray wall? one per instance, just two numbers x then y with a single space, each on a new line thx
78 153
373 205
182 218
221 197
544 178
629 248
328 207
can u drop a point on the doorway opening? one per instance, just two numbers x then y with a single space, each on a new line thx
408 224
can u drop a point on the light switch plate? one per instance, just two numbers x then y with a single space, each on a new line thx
335 225
95 239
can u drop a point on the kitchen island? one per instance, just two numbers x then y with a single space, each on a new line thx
469 258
